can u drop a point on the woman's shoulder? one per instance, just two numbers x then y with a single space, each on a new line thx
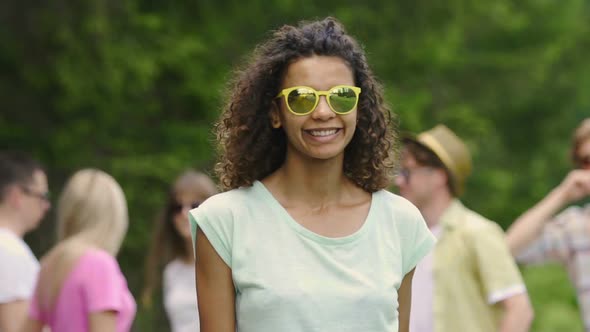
97 254
76 264
400 213
76 252
96 259
228 202
233 195
396 204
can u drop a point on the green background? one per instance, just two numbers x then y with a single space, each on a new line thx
133 87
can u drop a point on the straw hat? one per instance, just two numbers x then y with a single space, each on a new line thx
450 149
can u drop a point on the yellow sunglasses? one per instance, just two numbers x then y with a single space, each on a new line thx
302 100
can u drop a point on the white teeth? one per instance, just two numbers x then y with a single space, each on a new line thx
320 133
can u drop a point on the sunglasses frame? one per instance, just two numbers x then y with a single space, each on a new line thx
406 173
46 196
177 208
285 93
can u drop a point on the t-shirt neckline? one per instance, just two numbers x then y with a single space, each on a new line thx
300 229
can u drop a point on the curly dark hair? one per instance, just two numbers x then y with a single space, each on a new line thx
250 149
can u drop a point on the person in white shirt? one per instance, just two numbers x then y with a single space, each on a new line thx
24 200
172 251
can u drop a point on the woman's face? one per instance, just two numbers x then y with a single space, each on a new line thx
321 134
185 202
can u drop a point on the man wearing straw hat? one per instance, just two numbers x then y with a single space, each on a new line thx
470 281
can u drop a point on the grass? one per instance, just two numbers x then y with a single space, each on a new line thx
553 298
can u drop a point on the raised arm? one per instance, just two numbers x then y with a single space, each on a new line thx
215 289
529 225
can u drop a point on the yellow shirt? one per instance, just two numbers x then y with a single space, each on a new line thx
473 271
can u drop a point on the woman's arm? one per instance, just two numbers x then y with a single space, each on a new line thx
405 302
215 289
103 321
32 325
13 315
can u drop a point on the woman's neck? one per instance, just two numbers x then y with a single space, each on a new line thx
312 182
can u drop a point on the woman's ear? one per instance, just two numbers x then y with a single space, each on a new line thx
275 119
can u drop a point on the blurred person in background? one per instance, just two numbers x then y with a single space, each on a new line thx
24 200
543 234
470 281
172 251
306 238
80 286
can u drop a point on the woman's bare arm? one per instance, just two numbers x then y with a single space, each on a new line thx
215 289
102 321
405 302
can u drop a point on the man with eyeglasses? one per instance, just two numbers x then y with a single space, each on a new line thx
23 203
469 282
542 234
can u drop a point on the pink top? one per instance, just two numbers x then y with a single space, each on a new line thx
95 284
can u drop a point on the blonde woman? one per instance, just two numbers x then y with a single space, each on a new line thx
80 286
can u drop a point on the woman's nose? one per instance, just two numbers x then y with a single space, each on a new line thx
323 110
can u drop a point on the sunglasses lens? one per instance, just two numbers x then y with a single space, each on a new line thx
405 174
176 207
302 100
343 99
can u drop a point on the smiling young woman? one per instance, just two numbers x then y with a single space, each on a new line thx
306 238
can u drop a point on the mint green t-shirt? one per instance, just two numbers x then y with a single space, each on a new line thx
290 279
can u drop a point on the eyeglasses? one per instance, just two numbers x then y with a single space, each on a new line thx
42 196
302 100
405 173
177 207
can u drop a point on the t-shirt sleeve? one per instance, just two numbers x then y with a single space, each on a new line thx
418 239
103 284
500 277
215 219
18 274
